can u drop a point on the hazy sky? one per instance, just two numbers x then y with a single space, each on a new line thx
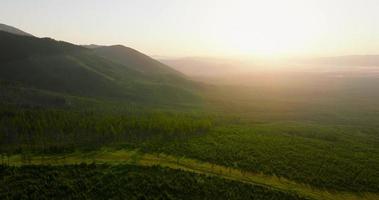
206 27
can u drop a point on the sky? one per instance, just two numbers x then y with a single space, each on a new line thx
185 28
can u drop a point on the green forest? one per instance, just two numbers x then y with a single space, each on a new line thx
124 182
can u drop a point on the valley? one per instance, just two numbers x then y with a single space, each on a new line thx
76 122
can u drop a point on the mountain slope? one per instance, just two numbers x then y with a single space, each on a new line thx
135 59
10 29
70 69
155 70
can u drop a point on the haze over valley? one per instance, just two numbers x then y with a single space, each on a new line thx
189 99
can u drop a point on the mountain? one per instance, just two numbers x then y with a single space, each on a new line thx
351 60
135 59
155 70
68 69
209 66
10 29
92 46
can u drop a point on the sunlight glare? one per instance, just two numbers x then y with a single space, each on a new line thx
249 29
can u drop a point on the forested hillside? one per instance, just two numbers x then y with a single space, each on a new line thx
73 70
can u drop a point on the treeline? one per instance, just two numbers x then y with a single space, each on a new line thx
57 131
124 182
347 162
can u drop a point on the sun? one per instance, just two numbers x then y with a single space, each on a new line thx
266 39
272 30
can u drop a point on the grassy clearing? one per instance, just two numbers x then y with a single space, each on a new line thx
108 156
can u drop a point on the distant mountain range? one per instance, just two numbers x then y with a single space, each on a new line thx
350 60
206 67
101 72
203 66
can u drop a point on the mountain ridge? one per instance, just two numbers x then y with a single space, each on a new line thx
13 30
58 66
